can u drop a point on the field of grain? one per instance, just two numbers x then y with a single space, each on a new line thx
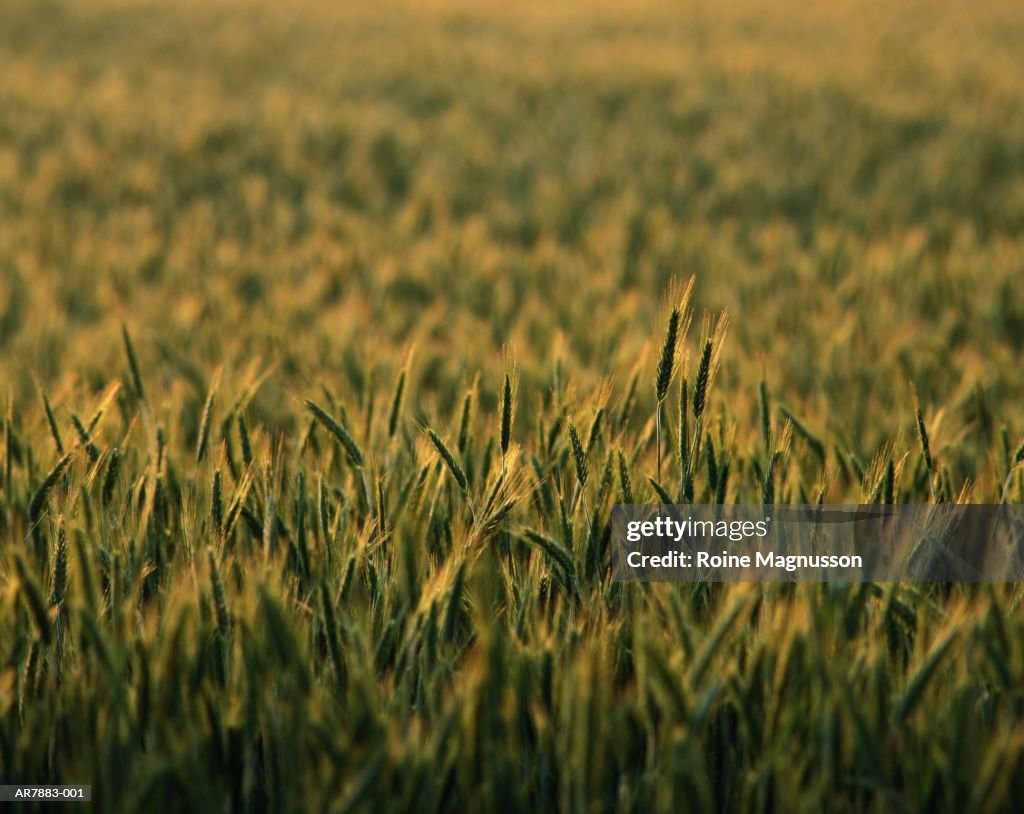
331 332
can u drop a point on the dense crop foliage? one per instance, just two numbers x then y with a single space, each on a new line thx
329 337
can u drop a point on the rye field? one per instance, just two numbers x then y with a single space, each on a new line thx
330 334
